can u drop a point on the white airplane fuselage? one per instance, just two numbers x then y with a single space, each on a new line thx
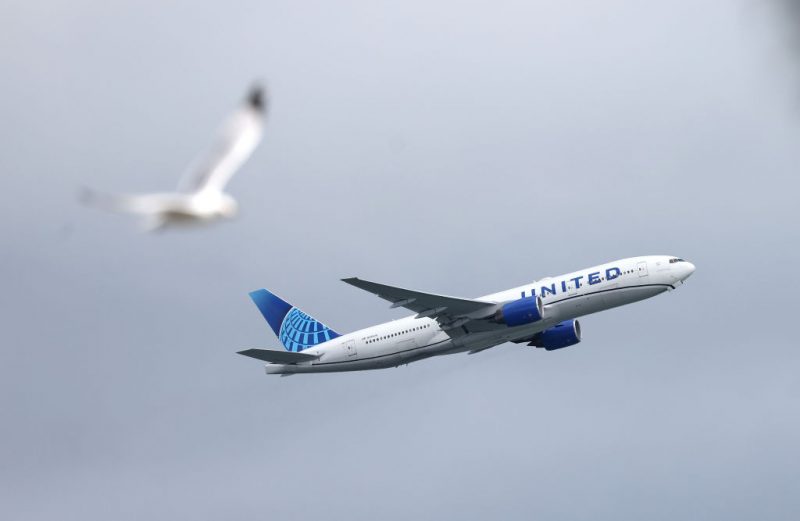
563 297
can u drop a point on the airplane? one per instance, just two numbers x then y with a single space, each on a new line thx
541 314
201 196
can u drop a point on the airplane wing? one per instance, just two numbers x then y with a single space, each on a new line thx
278 357
238 139
451 312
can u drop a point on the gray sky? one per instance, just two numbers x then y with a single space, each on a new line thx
460 148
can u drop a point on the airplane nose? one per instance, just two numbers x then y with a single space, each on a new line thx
689 267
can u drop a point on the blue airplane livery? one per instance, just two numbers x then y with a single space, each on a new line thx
541 314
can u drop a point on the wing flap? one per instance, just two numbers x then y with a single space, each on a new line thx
278 357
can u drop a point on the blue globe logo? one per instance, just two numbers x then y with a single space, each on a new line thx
300 331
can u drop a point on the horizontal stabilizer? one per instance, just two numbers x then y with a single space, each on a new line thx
278 357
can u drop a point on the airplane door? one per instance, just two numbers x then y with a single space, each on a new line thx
642 268
350 347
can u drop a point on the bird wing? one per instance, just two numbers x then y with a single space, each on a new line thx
144 204
237 140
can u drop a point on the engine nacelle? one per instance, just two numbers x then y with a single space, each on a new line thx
526 310
567 333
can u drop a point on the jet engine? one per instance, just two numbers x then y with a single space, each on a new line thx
526 310
564 334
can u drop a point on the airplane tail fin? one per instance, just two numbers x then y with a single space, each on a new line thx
296 330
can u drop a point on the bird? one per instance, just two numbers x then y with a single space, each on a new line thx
200 197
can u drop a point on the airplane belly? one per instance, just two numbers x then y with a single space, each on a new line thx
632 294
594 303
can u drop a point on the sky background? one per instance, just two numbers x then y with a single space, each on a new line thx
453 147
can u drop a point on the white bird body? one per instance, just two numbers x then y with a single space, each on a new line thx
201 197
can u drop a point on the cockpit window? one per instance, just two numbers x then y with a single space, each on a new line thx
673 261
